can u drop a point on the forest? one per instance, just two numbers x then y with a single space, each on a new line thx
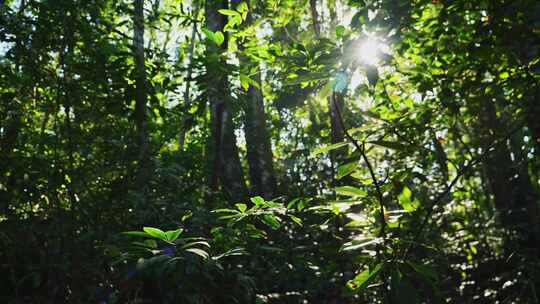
276 151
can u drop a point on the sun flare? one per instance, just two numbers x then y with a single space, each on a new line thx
369 50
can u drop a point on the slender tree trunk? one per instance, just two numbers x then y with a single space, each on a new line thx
141 119
522 213
513 193
226 169
259 148
334 99
533 115
188 121
315 17
9 138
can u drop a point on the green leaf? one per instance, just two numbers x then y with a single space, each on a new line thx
149 243
361 281
156 233
346 169
208 33
295 219
407 201
340 30
216 37
328 148
241 207
358 244
271 220
257 200
203 254
242 7
196 243
173 234
219 38
228 12
350 191
223 210
136 233
244 81
389 144
233 21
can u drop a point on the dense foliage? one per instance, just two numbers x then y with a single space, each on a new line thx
280 151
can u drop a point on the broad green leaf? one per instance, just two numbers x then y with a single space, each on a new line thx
219 38
271 220
241 207
351 191
208 33
244 81
361 281
242 7
407 201
328 148
257 200
338 208
233 21
346 169
173 234
228 12
151 243
216 37
340 30
156 233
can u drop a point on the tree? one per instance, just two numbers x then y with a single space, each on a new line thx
259 149
141 119
226 168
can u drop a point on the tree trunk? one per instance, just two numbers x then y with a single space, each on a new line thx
141 119
227 169
334 99
259 148
533 116
513 193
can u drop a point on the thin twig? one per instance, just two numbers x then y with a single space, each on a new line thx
361 148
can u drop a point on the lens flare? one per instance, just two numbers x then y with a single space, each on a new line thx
369 51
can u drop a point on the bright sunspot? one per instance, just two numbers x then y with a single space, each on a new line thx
369 50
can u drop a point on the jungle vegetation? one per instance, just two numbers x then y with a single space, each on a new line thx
277 151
